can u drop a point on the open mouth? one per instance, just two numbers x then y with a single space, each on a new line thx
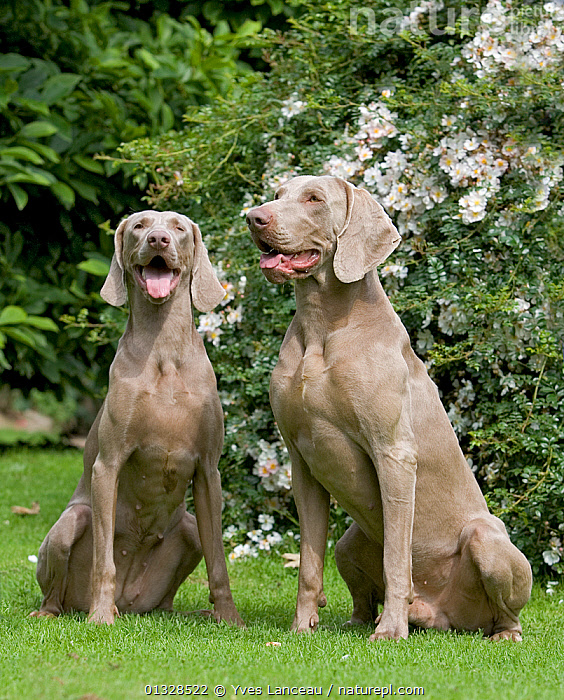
157 278
272 259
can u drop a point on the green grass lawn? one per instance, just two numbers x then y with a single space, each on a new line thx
68 658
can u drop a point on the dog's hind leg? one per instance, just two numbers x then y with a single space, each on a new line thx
491 582
360 563
190 555
505 574
53 562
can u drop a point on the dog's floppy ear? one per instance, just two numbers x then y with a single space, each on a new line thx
114 290
206 289
367 238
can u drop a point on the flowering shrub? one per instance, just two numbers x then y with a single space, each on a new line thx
452 118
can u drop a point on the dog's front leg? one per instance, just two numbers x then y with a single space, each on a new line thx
206 489
312 502
104 487
396 467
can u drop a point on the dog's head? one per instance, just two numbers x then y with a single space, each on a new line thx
159 252
315 220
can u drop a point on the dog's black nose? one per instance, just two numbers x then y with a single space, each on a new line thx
158 240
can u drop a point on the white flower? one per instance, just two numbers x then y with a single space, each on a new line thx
229 292
470 217
248 204
473 206
340 167
274 538
550 557
242 551
451 317
255 535
521 305
425 341
292 106
266 521
471 144
209 322
399 271
32 558
230 532
267 466
438 194
405 140
448 120
234 316
475 201
372 175
363 153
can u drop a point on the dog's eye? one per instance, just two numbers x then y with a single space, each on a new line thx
180 228
313 198
138 225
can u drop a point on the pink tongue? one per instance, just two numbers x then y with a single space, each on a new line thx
287 262
270 260
158 281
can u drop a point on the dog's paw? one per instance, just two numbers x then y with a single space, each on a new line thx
42 613
229 615
390 629
507 635
99 616
355 622
305 625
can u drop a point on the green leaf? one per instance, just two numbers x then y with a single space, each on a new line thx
249 28
26 336
46 151
12 315
86 191
35 177
94 267
32 105
38 129
64 194
89 164
147 58
4 364
42 322
22 153
19 194
13 62
59 86
167 117
9 87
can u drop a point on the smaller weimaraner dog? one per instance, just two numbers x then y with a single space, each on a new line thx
363 421
126 542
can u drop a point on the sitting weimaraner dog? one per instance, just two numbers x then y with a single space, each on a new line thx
125 541
363 421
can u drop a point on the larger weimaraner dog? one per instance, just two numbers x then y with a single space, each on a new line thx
125 541
363 421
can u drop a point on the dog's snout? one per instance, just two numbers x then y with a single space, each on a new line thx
158 240
259 218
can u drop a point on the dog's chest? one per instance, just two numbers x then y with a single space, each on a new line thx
167 423
304 391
